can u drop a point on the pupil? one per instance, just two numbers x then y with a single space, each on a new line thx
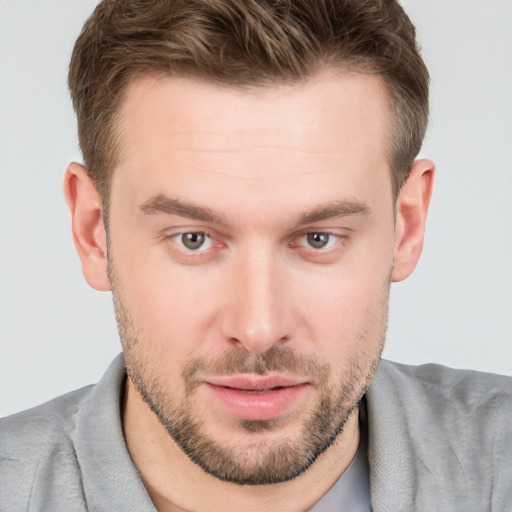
318 240
192 240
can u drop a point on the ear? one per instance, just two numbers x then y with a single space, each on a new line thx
411 216
85 205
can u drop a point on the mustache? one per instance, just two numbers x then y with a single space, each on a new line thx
236 361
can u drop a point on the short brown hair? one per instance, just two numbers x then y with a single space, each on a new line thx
241 43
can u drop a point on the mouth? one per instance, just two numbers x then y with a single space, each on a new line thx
256 397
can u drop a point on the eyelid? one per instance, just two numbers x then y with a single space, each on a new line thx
181 229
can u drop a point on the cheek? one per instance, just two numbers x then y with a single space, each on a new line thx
347 306
171 307
346 310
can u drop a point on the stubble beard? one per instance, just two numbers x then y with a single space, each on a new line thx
262 461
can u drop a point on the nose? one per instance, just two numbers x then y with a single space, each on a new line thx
257 312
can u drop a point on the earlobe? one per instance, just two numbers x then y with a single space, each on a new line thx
85 206
411 215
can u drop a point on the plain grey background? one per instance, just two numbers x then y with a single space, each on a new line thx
57 334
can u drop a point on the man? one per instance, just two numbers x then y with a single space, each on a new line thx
249 193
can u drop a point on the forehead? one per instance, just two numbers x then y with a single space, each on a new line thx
311 104
177 131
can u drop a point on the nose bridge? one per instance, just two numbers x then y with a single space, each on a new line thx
257 313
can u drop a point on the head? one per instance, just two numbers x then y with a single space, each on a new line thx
256 163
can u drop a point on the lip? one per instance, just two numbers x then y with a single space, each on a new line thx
253 397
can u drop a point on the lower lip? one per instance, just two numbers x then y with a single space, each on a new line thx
261 406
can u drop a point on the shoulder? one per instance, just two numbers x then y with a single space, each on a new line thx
51 454
446 429
36 444
435 396
27 434
442 387
463 384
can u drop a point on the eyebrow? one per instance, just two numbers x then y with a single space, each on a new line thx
163 204
333 210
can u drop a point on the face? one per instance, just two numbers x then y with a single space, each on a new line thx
251 243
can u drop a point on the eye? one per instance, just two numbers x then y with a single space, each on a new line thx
318 240
193 241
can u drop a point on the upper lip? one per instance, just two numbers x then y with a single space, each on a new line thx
255 382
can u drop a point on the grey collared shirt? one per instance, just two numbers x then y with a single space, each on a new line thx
438 439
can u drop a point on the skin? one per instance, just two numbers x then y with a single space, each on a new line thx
257 170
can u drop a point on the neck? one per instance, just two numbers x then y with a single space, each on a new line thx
174 483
